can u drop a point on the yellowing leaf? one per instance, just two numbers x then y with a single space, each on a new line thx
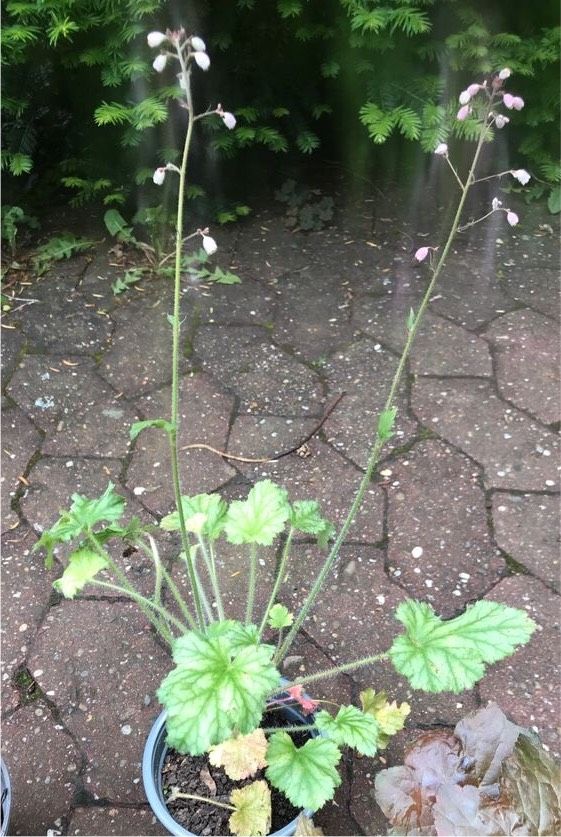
253 810
305 827
390 716
242 756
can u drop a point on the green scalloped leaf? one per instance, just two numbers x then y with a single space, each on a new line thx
307 775
280 617
439 656
139 426
210 505
260 518
216 690
83 565
351 728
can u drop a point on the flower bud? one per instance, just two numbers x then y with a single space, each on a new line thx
156 39
463 113
421 254
202 59
465 96
504 74
160 62
159 175
473 90
198 44
508 100
521 175
209 244
229 120
501 121
512 218
496 204
441 149
518 103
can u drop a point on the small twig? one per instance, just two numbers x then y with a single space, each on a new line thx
284 453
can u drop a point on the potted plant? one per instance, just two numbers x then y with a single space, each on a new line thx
226 706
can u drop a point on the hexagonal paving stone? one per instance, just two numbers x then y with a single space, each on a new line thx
66 323
140 354
440 347
325 476
20 441
439 545
526 685
251 303
535 286
43 764
266 379
264 437
312 314
205 418
470 293
502 439
526 348
101 667
79 414
527 527
363 372
114 821
12 344
26 590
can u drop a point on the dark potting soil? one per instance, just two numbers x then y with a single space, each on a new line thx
194 774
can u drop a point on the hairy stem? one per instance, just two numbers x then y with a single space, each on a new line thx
252 583
378 441
143 603
333 672
173 433
278 580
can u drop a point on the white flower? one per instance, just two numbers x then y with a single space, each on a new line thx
160 62
198 44
156 39
496 204
229 119
512 218
202 59
209 244
521 175
504 74
159 175
422 253
441 149
465 96
473 90
501 121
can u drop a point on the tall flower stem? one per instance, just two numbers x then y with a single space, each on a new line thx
175 419
379 440
278 580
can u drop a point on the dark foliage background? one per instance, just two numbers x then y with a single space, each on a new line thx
367 84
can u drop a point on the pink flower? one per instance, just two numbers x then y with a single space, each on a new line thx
510 101
421 254
512 218
473 90
159 175
464 97
198 44
501 121
160 62
441 149
504 74
521 175
156 39
463 113
308 705
202 59
209 244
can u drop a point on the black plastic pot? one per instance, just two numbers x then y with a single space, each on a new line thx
155 751
6 791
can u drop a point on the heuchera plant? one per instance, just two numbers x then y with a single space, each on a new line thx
225 676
